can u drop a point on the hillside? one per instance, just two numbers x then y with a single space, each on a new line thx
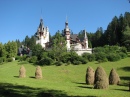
60 80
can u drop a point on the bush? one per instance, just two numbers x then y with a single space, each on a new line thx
76 59
22 58
122 55
76 62
68 63
17 57
123 49
58 63
90 76
2 59
82 60
89 57
66 57
33 59
101 57
114 77
9 59
85 55
101 79
46 61
113 57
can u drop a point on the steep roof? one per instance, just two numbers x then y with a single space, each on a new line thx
74 36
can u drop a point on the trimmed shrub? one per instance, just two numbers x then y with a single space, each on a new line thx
114 78
22 72
91 57
66 57
122 55
101 79
17 57
123 49
33 59
45 61
76 62
2 59
76 59
90 76
113 57
85 55
58 63
38 72
9 59
101 57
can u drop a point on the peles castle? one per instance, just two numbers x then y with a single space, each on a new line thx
80 46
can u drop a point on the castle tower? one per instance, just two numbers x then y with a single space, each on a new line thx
67 34
42 34
85 40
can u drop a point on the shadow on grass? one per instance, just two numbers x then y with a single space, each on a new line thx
79 83
32 77
11 90
127 68
122 90
84 85
125 82
125 78
16 76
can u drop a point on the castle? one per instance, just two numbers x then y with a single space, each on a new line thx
80 46
42 34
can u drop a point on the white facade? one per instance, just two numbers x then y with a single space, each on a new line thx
78 47
42 35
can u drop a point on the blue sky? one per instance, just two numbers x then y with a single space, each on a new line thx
19 18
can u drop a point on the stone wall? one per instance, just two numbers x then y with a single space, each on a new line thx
81 51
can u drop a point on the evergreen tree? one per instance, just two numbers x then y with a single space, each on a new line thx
126 38
11 49
59 45
37 50
3 52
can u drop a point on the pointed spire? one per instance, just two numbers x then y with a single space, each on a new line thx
66 19
66 24
41 26
41 13
85 37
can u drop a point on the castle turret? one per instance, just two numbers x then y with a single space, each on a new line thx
67 34
42 34
85 39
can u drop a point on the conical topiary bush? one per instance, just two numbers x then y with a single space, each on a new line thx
114 78
38 72
101 79
90 76
22 72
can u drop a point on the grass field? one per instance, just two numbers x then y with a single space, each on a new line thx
61 80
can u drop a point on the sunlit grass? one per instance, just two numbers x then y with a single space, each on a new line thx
68 79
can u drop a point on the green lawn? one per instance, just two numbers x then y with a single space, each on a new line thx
61 80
